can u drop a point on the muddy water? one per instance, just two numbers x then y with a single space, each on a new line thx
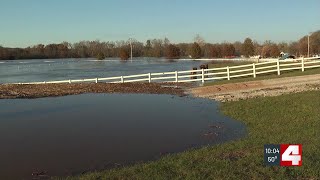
72 134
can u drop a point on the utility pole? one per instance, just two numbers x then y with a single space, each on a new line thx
308 45
130 48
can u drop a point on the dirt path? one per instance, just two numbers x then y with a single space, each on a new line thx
253 89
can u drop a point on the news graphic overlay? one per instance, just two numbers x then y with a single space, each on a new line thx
283 154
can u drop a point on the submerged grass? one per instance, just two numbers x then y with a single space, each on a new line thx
292 118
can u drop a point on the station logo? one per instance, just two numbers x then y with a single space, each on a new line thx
283 154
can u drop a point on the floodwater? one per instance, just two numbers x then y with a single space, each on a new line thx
69 135
64 69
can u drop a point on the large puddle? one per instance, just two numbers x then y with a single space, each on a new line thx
72 134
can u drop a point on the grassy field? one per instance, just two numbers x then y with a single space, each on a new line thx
271 75
293 118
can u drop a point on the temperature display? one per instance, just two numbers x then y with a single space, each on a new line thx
272 154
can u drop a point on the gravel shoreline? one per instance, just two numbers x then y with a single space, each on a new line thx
16 91
262 88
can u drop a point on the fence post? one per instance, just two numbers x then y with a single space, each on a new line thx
96 80
176 76
121 79
278 66
228 72
302 64
254 70
69 81
149 77
202 75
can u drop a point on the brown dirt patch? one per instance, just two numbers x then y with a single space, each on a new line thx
12 91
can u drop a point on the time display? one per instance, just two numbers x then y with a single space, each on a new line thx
272 150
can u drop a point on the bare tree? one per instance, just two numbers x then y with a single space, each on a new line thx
198 39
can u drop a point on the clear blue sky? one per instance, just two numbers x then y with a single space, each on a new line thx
29 22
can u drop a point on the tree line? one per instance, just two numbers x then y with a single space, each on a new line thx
163 48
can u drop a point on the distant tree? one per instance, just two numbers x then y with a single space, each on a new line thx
184 47
238 48
257 48
293 48
274 51
138 49
51 51
100 56
148 49
206 50
81 49
247 48
195 51
62 51
157 48
166 42
123 54
303 46
315 43
265 51
172 52
283 47
228 50
148 44
160 48
270 50
198 39
216 51
3 53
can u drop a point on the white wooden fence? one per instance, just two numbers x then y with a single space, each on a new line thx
224 73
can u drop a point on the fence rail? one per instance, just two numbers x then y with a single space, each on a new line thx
203 75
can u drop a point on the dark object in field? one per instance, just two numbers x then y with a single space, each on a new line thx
40 175
194 73
204 66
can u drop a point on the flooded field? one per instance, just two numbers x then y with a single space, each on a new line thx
62 69
73 134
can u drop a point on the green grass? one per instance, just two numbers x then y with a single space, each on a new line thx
266 76
292 118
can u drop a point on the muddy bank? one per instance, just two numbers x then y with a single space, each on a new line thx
224 92
10 91
262 88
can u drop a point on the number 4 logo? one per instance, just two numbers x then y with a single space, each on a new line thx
291 154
